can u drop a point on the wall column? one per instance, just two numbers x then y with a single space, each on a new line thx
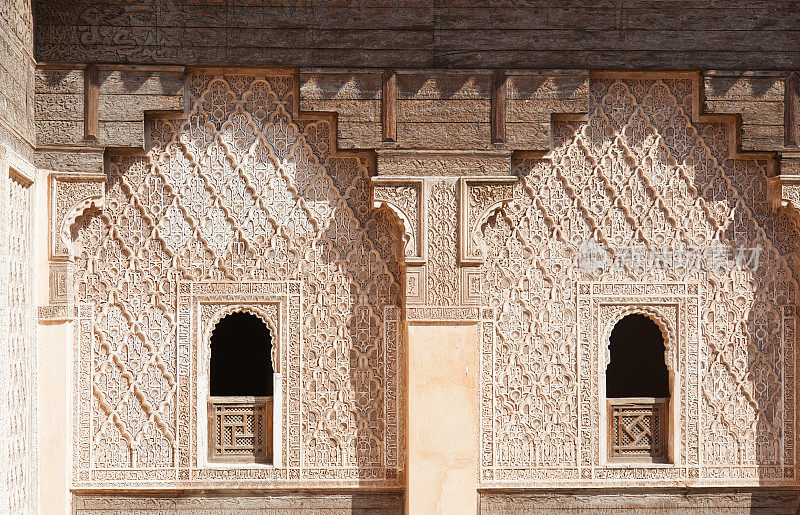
442 419
54 341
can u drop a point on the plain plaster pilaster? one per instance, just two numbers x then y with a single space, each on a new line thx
442 419
54 342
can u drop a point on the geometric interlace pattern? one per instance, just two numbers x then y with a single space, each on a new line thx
246 190
243 189
639 179
19 356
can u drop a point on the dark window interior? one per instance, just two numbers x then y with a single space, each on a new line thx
240 357
637 367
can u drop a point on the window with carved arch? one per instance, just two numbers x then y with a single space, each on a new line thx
637 391
240 390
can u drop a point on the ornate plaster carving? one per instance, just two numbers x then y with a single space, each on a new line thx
70 196
247 192
200 307
244 203
644 169
18 377
406 197
674 307
266 312
787 190
480 197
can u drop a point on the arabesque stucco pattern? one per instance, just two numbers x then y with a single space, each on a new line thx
639 178
244 191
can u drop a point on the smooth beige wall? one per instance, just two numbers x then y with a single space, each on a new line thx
442 419
54 422
54 395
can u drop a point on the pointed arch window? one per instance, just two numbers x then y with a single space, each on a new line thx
241 390
637 391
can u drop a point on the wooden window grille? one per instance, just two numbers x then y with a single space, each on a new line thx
638 429
240 429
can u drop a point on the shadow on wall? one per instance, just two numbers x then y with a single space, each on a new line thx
640 177
746 261
749 324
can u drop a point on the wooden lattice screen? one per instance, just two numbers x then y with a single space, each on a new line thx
638 429
240 429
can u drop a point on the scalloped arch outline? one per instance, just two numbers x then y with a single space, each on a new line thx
272 326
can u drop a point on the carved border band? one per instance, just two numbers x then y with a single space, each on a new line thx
675 308
199 304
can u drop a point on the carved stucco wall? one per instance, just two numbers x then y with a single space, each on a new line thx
18 359
18 392
642 169
245 201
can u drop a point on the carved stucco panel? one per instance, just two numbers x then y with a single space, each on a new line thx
443 274
18 346
643 175
70 196
202 305
675 309
479 197
407 199
242 192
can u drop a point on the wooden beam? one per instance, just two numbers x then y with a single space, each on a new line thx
498 107
388 106
791 115
91 102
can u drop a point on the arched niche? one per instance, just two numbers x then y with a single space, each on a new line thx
638 376
240 357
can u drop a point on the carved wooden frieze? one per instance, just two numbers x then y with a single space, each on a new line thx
433 163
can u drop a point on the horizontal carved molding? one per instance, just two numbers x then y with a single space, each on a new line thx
425 163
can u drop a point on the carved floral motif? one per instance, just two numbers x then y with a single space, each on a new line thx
240 192
444 281
18 354
245 192
405 198
639 171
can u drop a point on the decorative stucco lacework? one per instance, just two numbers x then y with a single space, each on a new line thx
443 274
674 309
243 191
19 353
639 171
201 305
406 197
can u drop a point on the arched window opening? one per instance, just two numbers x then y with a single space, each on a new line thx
240 357
637 391
241 390
637 367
